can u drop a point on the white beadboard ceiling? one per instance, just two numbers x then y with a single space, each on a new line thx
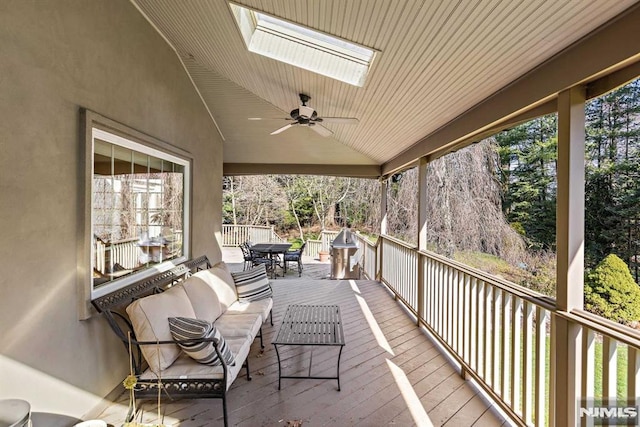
437 59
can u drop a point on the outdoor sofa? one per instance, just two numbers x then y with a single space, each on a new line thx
192 327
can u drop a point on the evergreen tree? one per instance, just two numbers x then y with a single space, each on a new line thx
611 292
613 163
528 157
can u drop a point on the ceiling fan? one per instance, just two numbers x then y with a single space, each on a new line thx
307 116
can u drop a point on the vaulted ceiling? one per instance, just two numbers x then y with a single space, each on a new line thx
444 71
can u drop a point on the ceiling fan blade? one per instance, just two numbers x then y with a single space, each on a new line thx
269 118
321 130
282 129
341 120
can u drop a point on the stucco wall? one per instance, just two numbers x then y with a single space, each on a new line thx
55 57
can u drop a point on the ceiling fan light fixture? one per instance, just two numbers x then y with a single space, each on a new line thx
306 112
308 116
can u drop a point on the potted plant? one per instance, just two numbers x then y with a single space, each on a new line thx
324 255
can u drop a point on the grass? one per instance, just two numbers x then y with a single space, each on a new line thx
539 277
621 374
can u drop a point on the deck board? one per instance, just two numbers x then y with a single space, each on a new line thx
370 396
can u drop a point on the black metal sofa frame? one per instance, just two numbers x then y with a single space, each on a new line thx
112 307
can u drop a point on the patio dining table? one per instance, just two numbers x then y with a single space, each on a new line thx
272 250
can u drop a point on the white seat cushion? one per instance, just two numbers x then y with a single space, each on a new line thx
261 307
185 367
239 325
203 299
149 317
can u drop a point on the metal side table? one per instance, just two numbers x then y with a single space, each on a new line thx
310 325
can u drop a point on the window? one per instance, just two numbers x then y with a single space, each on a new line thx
138 196
303 47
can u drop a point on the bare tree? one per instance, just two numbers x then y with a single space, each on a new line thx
325 193
464 205
255 200
294 195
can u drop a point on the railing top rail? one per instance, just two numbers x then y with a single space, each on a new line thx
119 242
366 240
603 326
265 227
397 242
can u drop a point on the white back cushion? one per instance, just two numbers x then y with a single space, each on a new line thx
221 282
149 317
203 299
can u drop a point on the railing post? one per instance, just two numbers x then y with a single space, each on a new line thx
383 225
566 360
422 234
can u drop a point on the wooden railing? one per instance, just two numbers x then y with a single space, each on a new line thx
369 259
609 352
500 334
123 252
234 235
313 247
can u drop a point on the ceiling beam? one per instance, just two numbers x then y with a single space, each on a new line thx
614 46
355 171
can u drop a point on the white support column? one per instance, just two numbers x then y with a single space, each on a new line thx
383 207
422 234
422 203
567 358
383 225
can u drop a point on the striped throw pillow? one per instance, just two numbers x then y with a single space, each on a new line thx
184 328
253 284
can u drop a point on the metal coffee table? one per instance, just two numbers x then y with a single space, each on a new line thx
311 325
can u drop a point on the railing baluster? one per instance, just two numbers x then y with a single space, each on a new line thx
454 312
478 325
542 317
516 334
443 306
438 289
504 357
588 368
488 331
609 368
633 373
496 336
429 291
466 318
434 293
527 362
461 313
447 307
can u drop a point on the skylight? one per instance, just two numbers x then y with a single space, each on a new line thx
303 47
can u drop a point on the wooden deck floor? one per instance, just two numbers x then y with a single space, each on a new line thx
391 373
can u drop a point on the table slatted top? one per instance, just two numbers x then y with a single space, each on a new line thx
270 247
311 325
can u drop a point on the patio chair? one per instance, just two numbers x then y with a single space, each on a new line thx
295 256
257 258
246 254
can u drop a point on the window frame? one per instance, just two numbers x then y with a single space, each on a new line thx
316 51
94 125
